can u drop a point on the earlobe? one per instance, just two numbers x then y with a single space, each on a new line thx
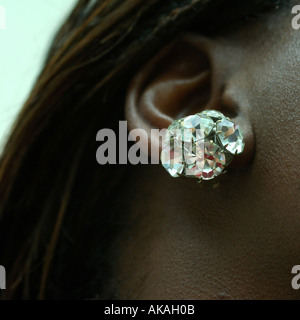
182 79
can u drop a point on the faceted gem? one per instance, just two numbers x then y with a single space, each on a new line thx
230 136
196 127
174 130
201 145
171 157
189 153
194 156
205 160
194 170
214 160
213 114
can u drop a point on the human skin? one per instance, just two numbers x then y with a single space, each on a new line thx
237 237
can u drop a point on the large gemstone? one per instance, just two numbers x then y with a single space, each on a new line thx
171 157
208 160
196 128
200 145
174 131
230 136
194 156
214 160
213 114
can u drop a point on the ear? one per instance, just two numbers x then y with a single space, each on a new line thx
185 77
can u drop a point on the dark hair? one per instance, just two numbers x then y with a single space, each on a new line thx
58 206
59 213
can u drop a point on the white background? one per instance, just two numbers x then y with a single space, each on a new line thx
30 26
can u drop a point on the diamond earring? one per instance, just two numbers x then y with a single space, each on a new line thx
201 145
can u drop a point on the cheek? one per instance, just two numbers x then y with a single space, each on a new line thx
272 87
